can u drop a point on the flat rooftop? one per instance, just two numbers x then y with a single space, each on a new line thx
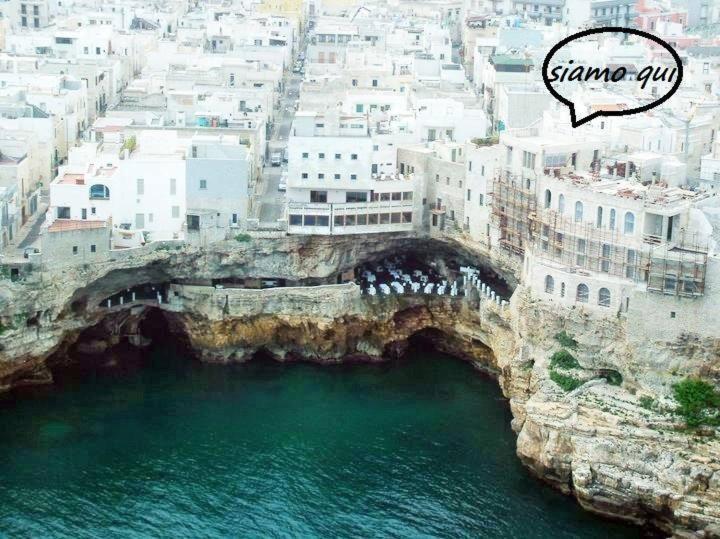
62 225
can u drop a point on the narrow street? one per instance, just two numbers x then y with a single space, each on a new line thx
271 202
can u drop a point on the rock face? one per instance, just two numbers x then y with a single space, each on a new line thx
596 442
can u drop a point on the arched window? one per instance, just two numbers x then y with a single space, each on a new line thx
599 219
549 284
582 294
548 198
578 212
561 204
562 290
99 192
612 219
629 223
604 297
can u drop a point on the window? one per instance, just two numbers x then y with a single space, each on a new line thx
599 218
578 211
305 155
321 155
337 176
396 196
23 8
469 195
75 249
338 156
23 22
355 196
353 176
140 186
99 192
562 290
354 156
93 249
629 227
611 224
295 220
63 212
375 83
203 184
407 195
604 297
631 262
481 199
528 160
561 204
318 196
548 198
173 186
321 176
359 108
304 175
582 294
175 212
97 50
549 284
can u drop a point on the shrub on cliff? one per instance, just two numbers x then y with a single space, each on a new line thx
242 238
698 402
568 383
564 360
566 340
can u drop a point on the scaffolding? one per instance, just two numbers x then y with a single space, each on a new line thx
679 270
583 246
513 203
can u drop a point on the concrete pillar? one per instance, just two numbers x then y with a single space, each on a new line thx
159 298
109 303
122 300
133 296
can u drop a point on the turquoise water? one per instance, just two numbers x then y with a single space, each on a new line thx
414 448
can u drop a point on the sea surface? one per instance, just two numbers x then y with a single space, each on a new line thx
419 447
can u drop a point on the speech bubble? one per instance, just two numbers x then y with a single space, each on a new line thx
611 29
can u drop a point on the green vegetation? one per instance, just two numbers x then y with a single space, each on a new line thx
566 340
647 402
130 143
4 272
614 378
566 382
486 141
243 238
564 360
698 402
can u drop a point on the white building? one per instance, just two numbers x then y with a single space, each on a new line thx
331 188
138 183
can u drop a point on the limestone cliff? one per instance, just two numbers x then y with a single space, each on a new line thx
596 442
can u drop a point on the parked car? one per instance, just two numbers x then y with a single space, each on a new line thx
282 186
276 159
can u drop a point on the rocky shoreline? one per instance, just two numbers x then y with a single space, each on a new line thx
596 442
